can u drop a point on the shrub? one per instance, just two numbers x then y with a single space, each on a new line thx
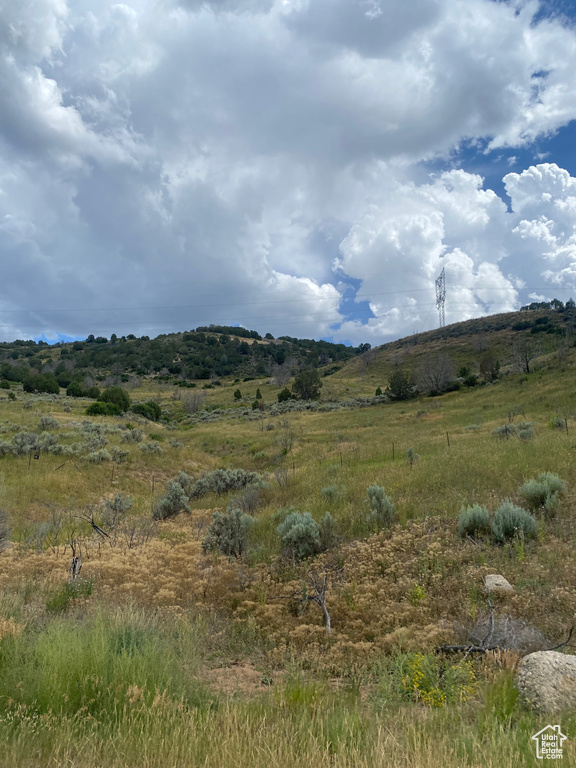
103 409
412 456
255 405
284 395
116 396
474 521
150 410
378 392
97 457
526 433
132 436
511 521
4 384
48 422
426 679
534 493
186 481
383 511
228 533
224 480
118 455
300 534
330 494
25 442
543 493
505 431
558 423
237 394
328 532
45 382
554 483
75 389
174 502
152 447
115 509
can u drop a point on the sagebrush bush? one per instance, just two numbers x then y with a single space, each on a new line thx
224 480
330 494
25 442
382 510
228 533
132 436
151 447
554 483
474 521
506 430
48 422
527 433
114 510
97 457
300 534
174 502
186 481
543 493
510 522
118 455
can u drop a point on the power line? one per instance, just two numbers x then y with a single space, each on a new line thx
363 296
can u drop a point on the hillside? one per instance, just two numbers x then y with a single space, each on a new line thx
188 645
207 352
472 343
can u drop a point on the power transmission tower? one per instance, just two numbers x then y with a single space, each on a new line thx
441 296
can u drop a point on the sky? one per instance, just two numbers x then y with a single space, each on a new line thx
299 167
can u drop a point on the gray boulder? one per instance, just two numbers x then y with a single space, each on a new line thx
547 681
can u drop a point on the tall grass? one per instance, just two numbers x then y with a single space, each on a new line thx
97 667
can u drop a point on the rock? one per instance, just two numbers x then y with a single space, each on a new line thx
547 681
496 583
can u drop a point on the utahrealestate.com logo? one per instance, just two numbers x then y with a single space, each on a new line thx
549 743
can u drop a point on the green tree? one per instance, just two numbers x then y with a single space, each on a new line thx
75 389
117 396
284 395
307 385
238 394
400 386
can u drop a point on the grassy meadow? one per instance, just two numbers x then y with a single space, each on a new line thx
160 654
